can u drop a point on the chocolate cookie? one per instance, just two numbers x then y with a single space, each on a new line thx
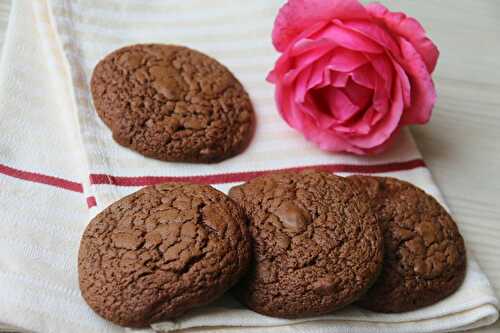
161 251
316 244
172 103
424 252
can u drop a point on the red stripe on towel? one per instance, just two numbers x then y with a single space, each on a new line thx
41 179
91 202
101 179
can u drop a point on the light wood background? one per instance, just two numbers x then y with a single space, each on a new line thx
461 145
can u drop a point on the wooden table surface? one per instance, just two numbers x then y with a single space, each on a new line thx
461 145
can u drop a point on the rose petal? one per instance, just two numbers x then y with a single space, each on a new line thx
337 79
405 83
358 95
358 125
386 126
305 45
340 106
380 95
375 33
382 147
383 66
283 100
344 60
305 52
300 85
308 32
322 118
364 76
319 75
291 63
423 91
410 29
330 141
314 76
347 38
281 67
377 115
297 15
360 128
291 112
372 116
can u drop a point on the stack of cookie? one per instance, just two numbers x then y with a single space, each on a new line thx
291 244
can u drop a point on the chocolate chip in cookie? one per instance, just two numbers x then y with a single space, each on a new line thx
425 258
162 251
316 244
172 103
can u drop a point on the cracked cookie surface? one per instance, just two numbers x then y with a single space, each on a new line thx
425 258
172 103
316 244
161 251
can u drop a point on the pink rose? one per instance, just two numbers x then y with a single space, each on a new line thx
350 76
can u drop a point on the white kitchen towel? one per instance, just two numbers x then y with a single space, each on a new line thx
56 154
42 207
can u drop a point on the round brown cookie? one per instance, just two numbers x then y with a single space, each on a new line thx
172 103
316 244
161 251
425 257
